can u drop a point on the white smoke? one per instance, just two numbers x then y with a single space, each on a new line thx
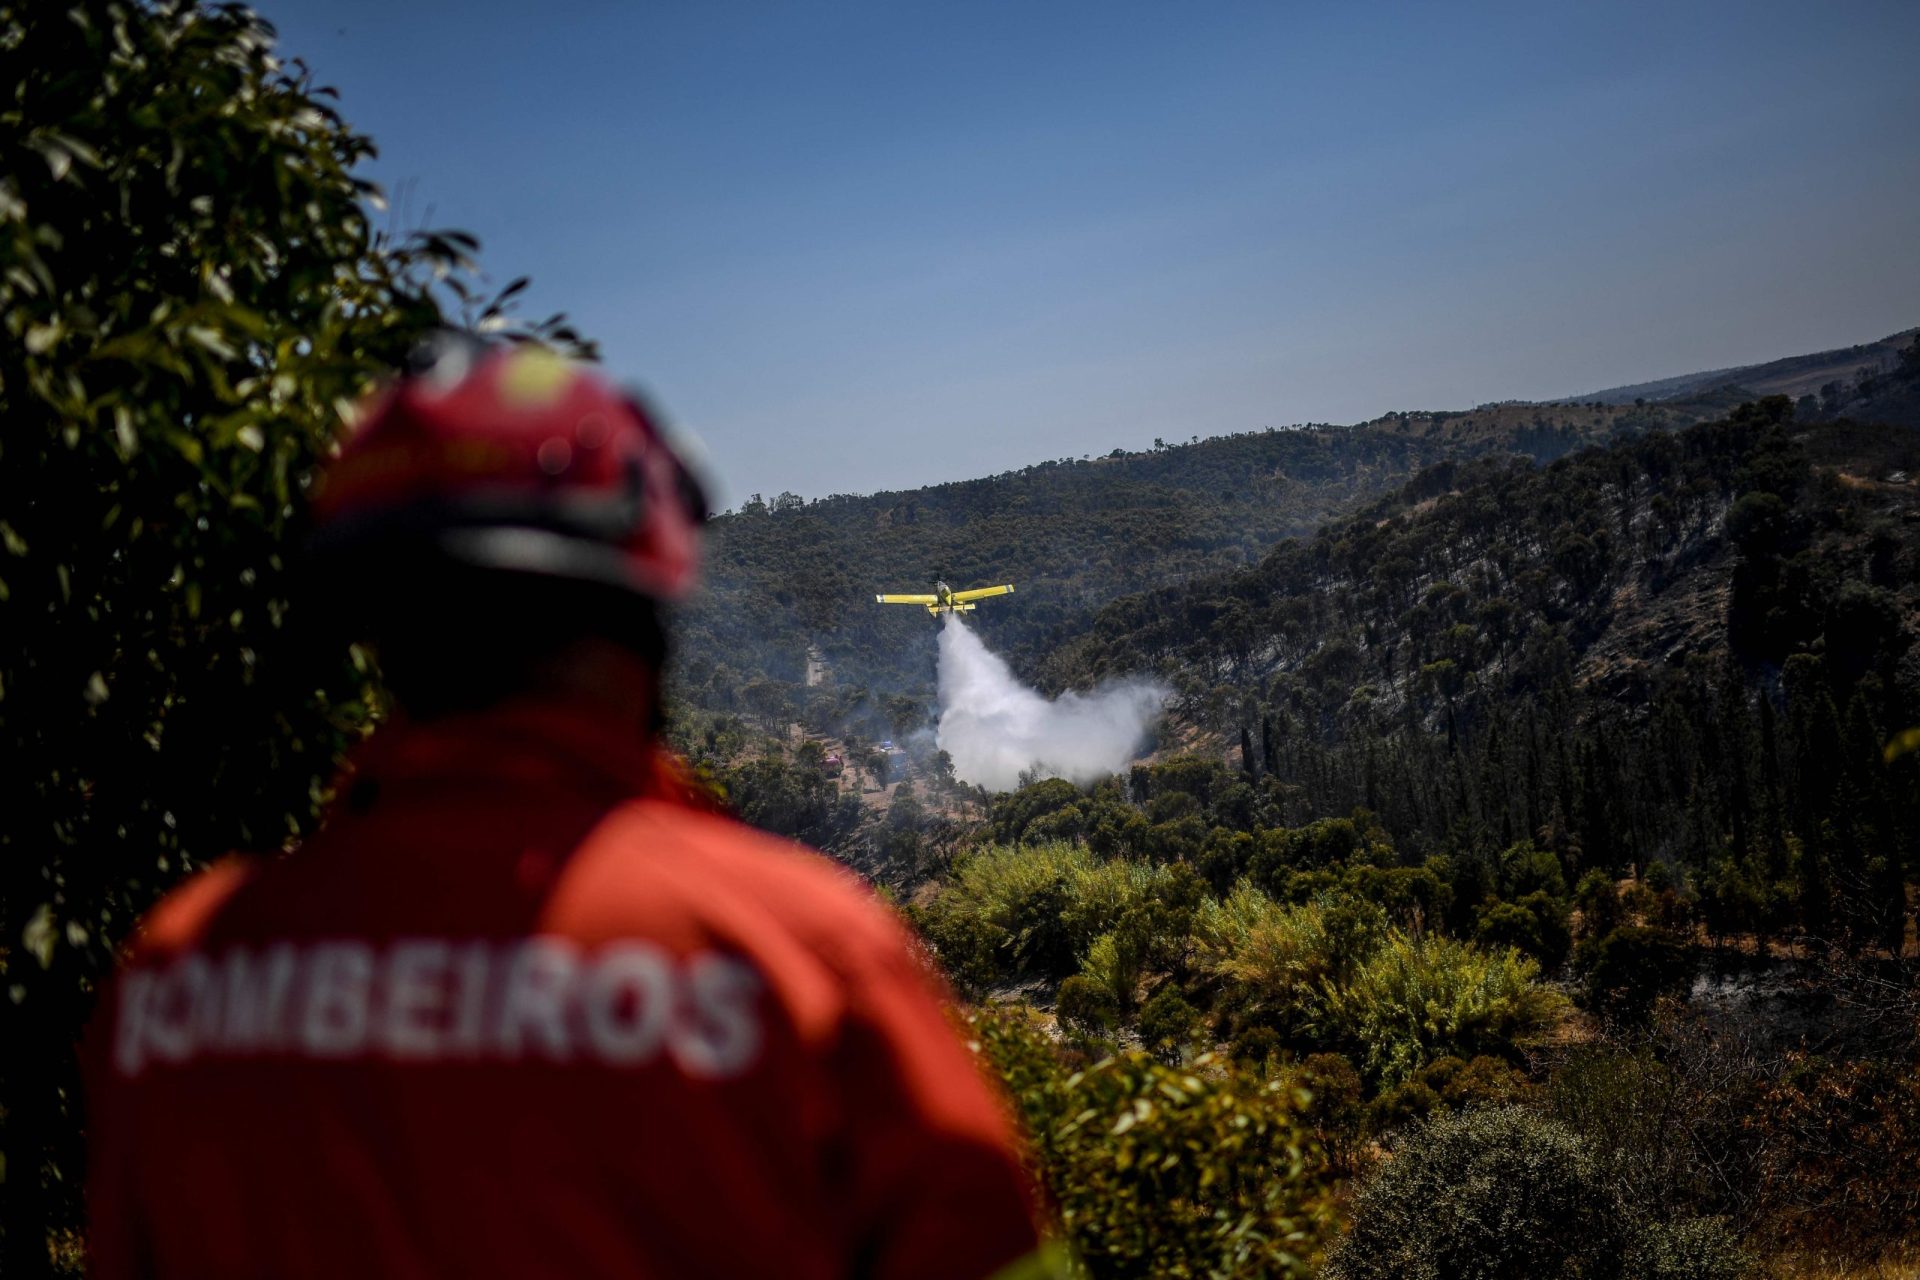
995 728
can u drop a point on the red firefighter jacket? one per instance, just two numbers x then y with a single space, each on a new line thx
523 1009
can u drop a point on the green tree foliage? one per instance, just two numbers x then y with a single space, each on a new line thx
192 294
1505 1192
1051 809
1333 1090
1496 1194
793 799
1276 960
1537 925
1598 899
1631 968
1687 1249
1035 909
1415 999
1155 1171
1168 1024
1331 972
1087 1006
1453 1084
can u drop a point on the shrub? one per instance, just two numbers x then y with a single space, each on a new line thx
1403 1105
1114 964
1524 869
1599 902
1409 895
1483 1081
1452 1084
1689 1249
1631 968
1086 1006
1032 908
967 943
1536 924
1639 1114
1276 959
1159 1171
1839 1159
1483 1195
1168 1024
1333 1106
1001 911
1415 999
1102 895
1254 1044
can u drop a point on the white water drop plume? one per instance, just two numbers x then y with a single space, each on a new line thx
996 729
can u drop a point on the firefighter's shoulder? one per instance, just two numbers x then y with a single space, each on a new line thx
181 918
667 862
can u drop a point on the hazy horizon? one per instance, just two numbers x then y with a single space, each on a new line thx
856 247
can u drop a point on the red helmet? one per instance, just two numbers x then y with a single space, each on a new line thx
515 459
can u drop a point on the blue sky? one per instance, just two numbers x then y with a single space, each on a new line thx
868 245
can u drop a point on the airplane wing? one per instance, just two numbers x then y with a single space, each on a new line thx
981 593
906 599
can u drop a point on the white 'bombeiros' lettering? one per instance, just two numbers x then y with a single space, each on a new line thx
628 996
473 970
416 976
339 990
253 996
720 1036
130 1024
174 1008
625 1004
540 978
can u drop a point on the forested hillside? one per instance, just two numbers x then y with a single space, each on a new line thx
790 578
1606 648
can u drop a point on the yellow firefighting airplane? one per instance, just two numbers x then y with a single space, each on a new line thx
946 600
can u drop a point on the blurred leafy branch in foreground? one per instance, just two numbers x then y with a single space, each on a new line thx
192 297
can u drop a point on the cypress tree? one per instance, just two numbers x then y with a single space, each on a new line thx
1737 763
1773 815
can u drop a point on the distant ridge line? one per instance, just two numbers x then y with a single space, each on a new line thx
1789 375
